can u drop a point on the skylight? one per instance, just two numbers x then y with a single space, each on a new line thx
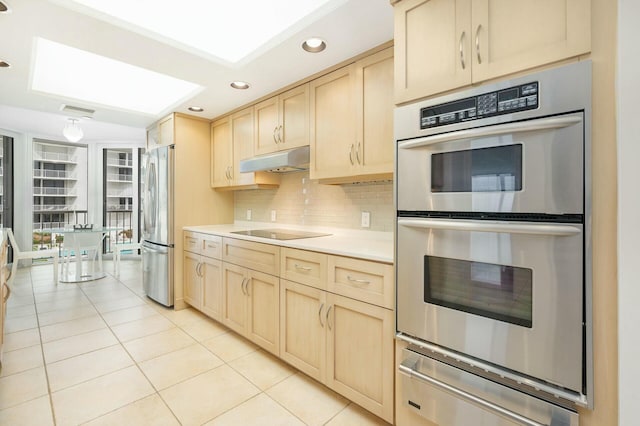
227 30
77 74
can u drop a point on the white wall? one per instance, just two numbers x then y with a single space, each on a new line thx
628 98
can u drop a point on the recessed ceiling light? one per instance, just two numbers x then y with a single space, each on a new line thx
195 109
4 64
4 8
240 85
314 45
217 29
77 74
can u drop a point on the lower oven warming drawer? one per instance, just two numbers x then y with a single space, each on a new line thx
449 396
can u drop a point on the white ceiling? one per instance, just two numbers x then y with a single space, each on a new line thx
351 28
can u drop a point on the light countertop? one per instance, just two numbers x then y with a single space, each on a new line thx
368 245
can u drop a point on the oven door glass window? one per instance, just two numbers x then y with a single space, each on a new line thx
499 292
478 170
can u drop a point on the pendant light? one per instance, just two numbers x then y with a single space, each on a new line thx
72 131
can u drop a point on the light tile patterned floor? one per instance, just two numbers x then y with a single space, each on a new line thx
101 353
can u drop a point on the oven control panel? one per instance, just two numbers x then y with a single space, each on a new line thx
506 101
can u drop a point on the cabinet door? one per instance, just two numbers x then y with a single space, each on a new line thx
221 153
432 47
510 36
375 143
333 124
294 117
242 135
152 137
192 281
302 328
212 294
360 344
266 126
234 308
264 311
165 131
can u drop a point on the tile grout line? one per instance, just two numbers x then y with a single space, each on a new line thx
44 360
121 343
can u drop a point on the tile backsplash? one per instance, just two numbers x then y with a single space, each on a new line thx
301 201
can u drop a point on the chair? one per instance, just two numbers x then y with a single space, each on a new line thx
77 242
117 253
19 254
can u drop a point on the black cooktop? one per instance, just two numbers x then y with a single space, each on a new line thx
280 234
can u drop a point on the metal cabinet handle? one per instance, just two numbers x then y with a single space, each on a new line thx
327 317
280 134
246 287
4 300
320 315
198 269
490 226
303 268
244 280
472 399
358 153
478 43
351 154
275 139
356 280
462 51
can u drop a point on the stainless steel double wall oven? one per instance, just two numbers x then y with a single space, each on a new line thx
493 250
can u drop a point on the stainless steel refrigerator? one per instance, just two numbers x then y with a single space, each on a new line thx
157 229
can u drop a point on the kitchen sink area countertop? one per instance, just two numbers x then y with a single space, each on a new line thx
368 245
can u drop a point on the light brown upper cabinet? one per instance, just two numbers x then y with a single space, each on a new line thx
445 44
162 133
221 153
231 141
352 122
282 122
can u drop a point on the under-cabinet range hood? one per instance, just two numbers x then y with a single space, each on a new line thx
291 160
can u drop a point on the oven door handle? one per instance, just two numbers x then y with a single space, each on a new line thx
478 226
519 127
472 399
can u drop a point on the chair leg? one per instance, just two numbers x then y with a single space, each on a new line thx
55 268
116 266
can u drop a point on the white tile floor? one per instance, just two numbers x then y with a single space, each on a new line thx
101 353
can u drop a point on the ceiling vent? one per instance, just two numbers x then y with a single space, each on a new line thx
77 111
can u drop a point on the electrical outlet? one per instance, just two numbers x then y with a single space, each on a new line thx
273 215
248 214
365 221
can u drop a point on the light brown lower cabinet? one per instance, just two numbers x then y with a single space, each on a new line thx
251 305
344 343
203 284
192 279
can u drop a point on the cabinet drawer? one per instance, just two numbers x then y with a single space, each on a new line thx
260 257
305 267
370 282
192 242
212 246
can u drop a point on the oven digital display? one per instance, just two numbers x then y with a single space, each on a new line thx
500 292
494 169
